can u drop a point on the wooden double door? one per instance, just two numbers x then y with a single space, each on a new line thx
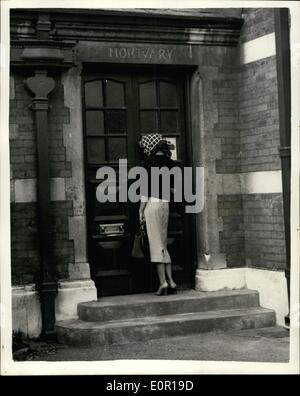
119 106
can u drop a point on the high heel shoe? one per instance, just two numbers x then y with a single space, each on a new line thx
163 290
172 289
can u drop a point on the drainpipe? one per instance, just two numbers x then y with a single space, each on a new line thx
41 86
282 32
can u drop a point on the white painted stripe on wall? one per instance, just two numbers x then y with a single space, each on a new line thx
265 182
25 190
261 182
259 48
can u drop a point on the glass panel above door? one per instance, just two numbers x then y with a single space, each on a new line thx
115 121
93 93
95 150
148 121
169 121
147 91
94 122
167 94
117 149
114 92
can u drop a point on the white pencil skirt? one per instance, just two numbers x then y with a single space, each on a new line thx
157 219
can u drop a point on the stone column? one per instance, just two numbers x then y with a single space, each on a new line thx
209 258
79 287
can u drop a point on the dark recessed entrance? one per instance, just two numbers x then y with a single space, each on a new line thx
119 105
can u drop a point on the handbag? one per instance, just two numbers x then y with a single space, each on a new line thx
140 247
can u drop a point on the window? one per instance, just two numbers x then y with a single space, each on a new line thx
105 116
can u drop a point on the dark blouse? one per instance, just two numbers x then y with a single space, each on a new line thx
159 161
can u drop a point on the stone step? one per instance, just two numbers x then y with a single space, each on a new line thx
91 334
141 305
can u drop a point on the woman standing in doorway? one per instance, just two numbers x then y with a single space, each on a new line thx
154 210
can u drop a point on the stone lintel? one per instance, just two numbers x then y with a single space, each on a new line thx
42 54
31 53
127 25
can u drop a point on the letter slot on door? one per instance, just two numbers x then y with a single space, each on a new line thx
111 235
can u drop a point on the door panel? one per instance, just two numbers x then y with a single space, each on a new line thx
119 107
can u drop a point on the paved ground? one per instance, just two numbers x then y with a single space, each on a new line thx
260 345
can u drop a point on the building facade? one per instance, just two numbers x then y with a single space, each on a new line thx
84 85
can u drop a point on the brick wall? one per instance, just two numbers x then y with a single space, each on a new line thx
259 137
232 241
23 157
58 115
248 123
253 224
257 23
24 243
258 116
264 231
22 134
226 127
257 98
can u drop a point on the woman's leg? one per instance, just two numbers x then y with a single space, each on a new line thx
160 268
168 268
163 287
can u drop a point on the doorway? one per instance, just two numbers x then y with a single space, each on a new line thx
119 105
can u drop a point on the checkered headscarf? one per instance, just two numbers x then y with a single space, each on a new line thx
149 142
